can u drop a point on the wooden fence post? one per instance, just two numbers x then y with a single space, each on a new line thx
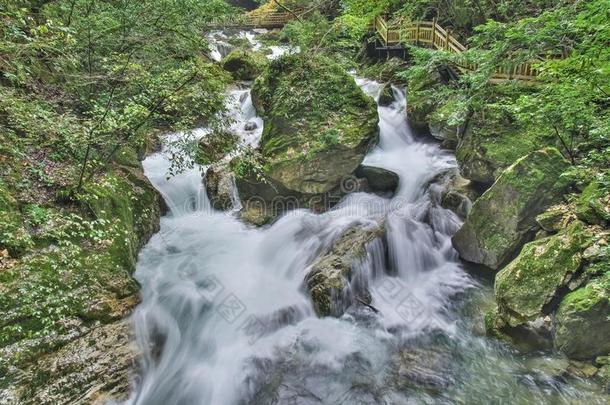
447 35
434 32
417 34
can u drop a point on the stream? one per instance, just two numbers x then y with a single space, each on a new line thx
225 318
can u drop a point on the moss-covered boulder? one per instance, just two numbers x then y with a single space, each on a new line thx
219 184
503 218
244 65
525 288
318 123
386 95
490 142
421 102
328 281
215 146
593 205
582 322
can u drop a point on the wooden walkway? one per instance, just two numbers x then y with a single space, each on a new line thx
431 34
254 21
392 37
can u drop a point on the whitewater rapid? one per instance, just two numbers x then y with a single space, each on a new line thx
225 318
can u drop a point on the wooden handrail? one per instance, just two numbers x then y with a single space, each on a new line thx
430 33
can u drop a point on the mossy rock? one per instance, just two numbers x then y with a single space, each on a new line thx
525 288
386 96
556 218
582 322
329 278
244 65
318 123
593 205
420 102
82 279
491 142
503 218
215 146
219 183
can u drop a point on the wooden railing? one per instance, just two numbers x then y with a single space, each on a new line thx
251 21
431 34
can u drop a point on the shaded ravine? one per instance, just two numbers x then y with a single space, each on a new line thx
225 319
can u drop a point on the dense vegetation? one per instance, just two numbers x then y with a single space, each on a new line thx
85 86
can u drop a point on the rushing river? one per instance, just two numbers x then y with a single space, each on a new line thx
225 318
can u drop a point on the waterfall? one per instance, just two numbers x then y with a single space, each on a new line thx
224 317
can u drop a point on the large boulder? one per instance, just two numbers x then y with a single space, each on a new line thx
526 287
214 146
244 65
319 125
219 185
582 322
328 281
490 142
503 218
379 179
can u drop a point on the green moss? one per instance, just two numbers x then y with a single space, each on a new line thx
318 123
503 218
244 65
214 146
491 143
83 272
303 98
582 321
14 236
528 284
593 205
555 218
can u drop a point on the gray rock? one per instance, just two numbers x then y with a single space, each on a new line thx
328 281
379 179
503 219
219 183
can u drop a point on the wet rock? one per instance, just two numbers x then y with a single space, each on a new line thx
219 185
456 202
421 368
582 322
91 369
215 146
328 281
386 97
251 126
379 179
244 65
581 369
603 377
457 194
525 288
503 218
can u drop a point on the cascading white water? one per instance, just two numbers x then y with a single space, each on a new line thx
224 318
